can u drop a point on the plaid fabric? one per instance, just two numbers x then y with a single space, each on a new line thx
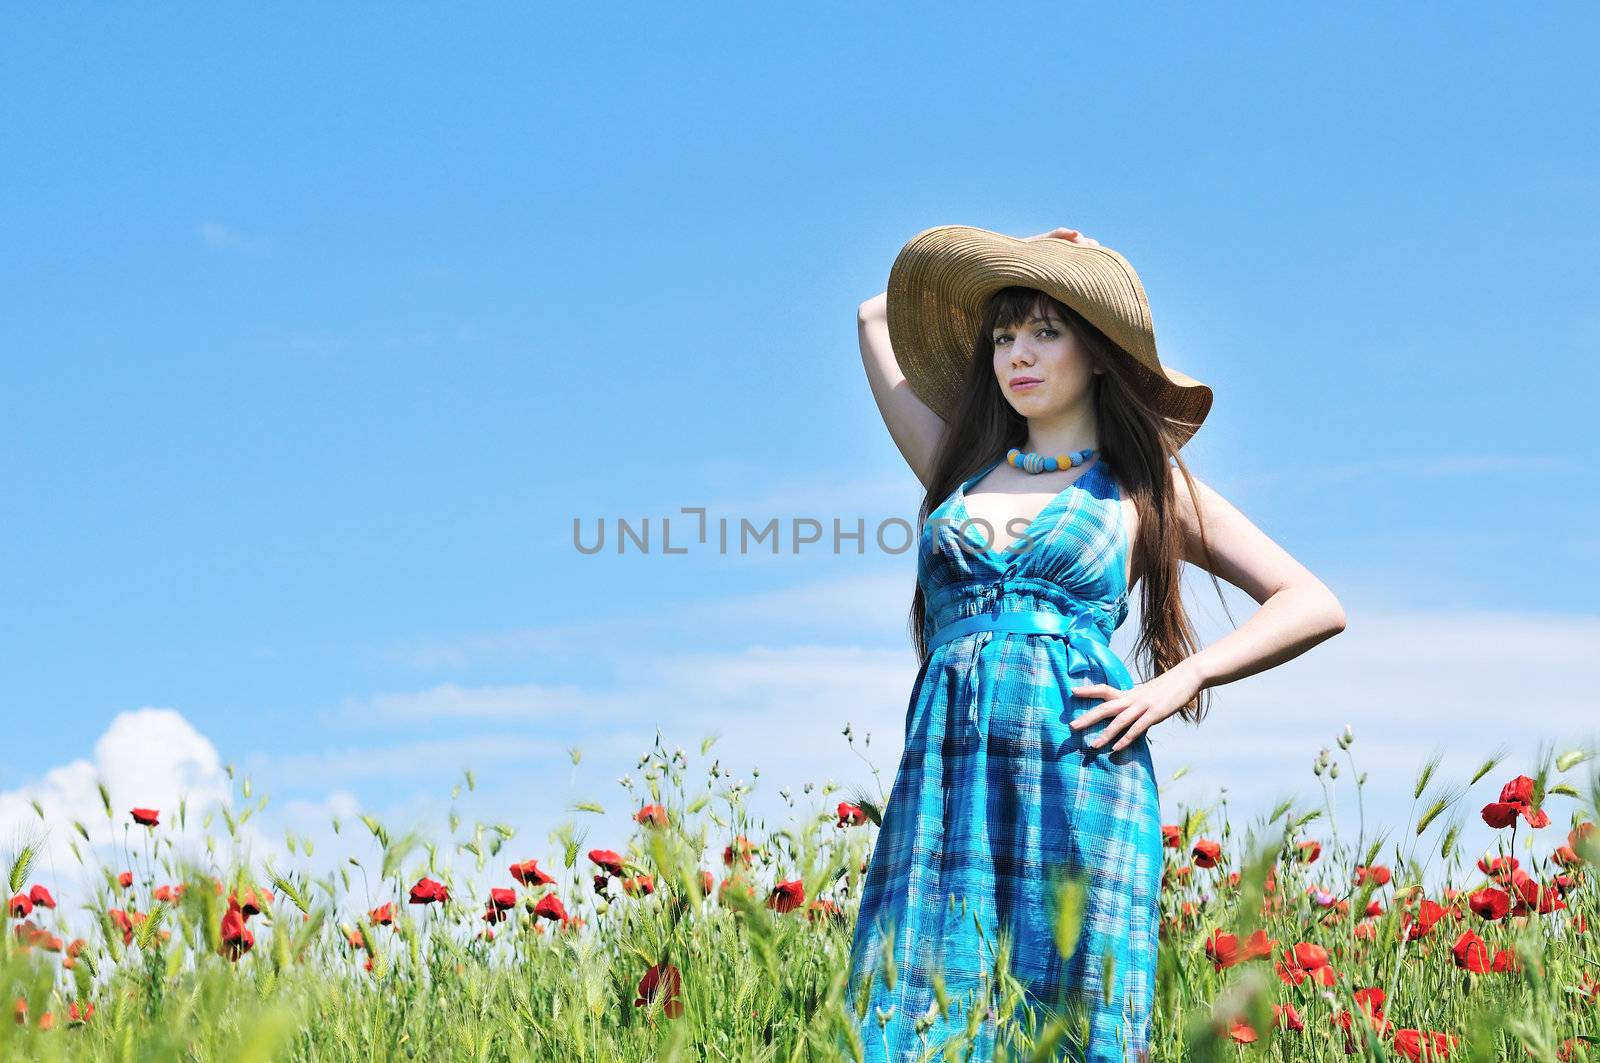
995 796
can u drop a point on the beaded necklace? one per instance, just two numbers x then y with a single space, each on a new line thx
1028 461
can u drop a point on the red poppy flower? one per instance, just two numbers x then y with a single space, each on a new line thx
1309 956
499 897
1516 798
383 915
1287 1018
1518 791
236 937
652 816
1305 960
639 885
125 879
1222 949
723 886
1370 1001
1206 853
850 815
1242 1032
252 903
1309 851
822 908
1428 913
427 891
1258 945
1471 953
1583 841
120 918
529 874
21 905
745 851
146 816
1499 815
1424 1045
1377 873
1531 896
75 1014
787 896
608 859
705 882
550 907
41 897
1171 836
661 981
1489 903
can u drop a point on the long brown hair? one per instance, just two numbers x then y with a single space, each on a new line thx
1136 444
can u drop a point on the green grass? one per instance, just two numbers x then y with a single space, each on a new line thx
322 980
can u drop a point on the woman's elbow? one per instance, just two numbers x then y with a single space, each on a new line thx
1335 616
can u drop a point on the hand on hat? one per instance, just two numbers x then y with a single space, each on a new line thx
1063 233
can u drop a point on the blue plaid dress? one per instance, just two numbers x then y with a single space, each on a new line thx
995 796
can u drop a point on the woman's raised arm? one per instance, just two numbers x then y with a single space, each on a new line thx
915 428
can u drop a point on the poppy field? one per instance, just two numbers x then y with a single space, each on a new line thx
701 933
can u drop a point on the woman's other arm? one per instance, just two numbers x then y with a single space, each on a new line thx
913 425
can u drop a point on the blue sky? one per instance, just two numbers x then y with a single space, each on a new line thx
321 326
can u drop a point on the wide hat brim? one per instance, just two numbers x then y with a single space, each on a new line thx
943 276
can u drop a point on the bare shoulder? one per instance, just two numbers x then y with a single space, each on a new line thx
1234 549
1196 499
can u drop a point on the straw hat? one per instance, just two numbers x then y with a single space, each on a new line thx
942 277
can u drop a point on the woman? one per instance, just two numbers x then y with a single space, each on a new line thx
1019 379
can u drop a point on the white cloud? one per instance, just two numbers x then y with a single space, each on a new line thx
1464 684
153 758
524 701
1410 682
147 758
442 758
857 608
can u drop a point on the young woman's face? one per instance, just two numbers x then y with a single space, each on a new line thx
1040 368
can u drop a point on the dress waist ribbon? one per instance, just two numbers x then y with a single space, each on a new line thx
1087 645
